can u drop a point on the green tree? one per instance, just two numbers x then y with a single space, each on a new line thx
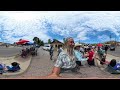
35 39
49 41
42 43
38 41
110 37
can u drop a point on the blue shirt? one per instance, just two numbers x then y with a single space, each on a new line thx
79 56
117 66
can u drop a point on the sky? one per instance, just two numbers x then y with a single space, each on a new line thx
83 26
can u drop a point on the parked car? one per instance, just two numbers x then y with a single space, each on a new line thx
112 47
38 46
47 47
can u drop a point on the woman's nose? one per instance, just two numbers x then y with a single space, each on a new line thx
73 43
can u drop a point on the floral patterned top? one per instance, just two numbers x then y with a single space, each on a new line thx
64 61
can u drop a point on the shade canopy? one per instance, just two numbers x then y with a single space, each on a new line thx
22 42
99 44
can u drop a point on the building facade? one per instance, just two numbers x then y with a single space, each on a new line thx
56 44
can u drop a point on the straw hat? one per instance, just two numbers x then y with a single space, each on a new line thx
77 44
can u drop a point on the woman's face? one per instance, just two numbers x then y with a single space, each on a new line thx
78 48
71 43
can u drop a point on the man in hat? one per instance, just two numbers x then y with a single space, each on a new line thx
78 55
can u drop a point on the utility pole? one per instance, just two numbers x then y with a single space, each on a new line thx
115 40
79 41
110 38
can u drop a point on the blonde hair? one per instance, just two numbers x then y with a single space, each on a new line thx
68 38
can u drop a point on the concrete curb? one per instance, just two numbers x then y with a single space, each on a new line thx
27 67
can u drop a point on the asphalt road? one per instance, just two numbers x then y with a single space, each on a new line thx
9 51
116 52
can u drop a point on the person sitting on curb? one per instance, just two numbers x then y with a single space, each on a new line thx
65 60
13 67
101 54
91 55
113 66
78 55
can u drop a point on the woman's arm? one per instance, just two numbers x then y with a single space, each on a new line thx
106 62
79 56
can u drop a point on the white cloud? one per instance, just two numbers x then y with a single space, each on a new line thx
26 29
65 23
82 35
103 38
97 21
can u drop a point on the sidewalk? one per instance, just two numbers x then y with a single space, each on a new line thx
24 64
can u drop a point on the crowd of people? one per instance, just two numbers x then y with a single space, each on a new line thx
28 51
74 55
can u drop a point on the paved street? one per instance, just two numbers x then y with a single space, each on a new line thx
116 52
9 51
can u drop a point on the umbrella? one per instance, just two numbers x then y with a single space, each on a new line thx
22 42
99 45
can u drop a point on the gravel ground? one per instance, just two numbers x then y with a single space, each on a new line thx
41 65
